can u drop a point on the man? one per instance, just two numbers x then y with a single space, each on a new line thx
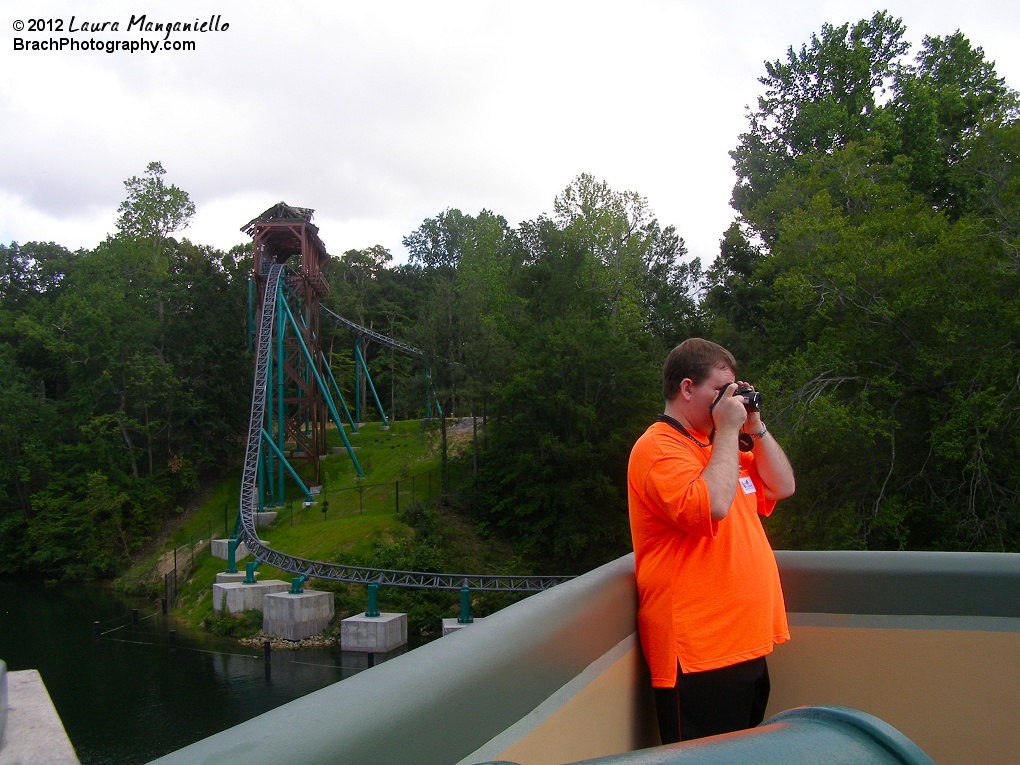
710 603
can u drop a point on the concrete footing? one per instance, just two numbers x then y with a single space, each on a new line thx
452 625
224 578
264 518
236 597
295 616
218 548
33 733
373 634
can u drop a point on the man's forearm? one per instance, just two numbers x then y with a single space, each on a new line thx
720 476
774 468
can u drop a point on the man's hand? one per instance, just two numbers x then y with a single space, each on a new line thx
729 414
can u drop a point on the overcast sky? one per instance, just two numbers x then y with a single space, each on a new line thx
379 114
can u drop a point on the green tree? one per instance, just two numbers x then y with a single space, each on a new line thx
582 379
821 98
153 210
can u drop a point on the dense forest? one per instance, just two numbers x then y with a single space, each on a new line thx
868 285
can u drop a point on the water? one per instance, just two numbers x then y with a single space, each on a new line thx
128 698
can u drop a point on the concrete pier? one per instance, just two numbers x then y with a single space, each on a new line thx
223 577
452 625
295 616
373 634
218 549
32 733
236 597
265 518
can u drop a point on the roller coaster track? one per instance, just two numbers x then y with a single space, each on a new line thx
319 569
375 336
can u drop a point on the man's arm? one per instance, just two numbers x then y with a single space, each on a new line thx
723 469
774 468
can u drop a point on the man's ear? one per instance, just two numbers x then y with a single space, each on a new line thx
685 388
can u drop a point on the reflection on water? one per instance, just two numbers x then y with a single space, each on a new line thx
128 697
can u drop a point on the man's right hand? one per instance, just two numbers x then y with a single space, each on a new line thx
729 414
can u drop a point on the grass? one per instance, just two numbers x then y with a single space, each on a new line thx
350 521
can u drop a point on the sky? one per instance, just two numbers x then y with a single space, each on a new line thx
379 114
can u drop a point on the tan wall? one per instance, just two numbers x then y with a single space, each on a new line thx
607 710
954 692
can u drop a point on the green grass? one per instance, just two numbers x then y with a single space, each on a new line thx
361 516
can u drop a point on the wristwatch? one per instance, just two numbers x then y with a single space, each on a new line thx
760 433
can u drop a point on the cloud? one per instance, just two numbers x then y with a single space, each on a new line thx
380 114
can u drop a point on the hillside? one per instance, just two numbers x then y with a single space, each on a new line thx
395 517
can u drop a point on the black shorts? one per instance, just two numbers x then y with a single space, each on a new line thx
717 701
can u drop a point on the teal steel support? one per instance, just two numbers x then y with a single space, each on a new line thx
373 593
232 545
249 572
280 435
465 606
261 481
270 470
293 473
295 584
357 380
339 395
360 359
325 393
251 315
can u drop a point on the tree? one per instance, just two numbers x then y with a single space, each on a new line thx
153 211
583 376
901 393
823 97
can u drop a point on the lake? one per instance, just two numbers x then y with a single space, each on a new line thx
128 698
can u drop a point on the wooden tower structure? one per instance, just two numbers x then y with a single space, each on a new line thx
297 416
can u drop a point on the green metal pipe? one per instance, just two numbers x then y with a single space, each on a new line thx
373 593
465 606
232 545
824 735
249 572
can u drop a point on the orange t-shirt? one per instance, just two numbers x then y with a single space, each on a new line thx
708 591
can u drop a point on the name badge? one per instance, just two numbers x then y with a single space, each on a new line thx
747 485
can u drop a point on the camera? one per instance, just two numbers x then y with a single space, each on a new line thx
752 398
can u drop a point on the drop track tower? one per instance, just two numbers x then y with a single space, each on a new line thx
296 417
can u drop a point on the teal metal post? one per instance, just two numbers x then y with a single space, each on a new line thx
295 584
232 545
371 386
373 592
357 380
339 396
465 606
293 473
249 572
251 314
280 435
325 394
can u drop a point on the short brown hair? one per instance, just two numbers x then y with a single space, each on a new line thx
694 358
